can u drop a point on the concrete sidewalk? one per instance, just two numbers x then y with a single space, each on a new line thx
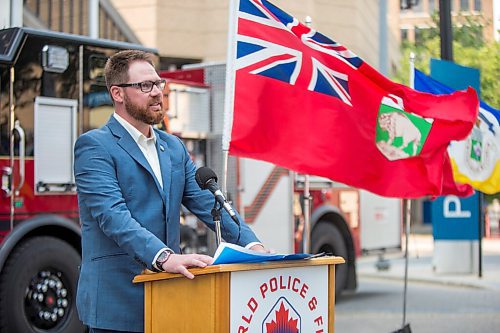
420 267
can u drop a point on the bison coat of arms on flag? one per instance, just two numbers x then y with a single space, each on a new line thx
400 134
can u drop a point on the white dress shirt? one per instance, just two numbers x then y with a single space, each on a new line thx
147 145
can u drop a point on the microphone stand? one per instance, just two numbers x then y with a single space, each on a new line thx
216 216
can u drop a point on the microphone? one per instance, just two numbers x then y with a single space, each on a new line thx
207 180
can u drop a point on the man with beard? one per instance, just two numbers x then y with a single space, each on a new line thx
131 181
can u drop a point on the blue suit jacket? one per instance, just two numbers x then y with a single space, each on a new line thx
127 218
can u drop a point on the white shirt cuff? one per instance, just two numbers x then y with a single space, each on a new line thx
156 257
249 245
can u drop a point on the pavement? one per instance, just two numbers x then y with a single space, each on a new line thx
421 266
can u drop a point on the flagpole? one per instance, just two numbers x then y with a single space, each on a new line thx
306 231
412 70
229 88
480 197
407 218
306 234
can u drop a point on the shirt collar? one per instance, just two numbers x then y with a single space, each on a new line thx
134 132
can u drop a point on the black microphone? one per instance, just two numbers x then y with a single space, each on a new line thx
207 180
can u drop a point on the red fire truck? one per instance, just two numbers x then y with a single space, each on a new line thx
51 90
344 221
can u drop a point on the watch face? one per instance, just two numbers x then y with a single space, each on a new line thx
162 257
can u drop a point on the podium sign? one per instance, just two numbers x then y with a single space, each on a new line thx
280 300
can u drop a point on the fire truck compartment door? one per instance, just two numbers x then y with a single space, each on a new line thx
189 109
55 136
267 197
380 222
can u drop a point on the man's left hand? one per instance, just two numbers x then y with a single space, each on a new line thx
260 248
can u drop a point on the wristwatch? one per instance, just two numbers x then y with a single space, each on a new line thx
162 258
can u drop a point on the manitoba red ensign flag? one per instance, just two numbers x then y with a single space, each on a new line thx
307 103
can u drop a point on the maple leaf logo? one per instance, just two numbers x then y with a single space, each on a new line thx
282 323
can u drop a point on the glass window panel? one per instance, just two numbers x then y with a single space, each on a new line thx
404 34
419 7
464 5
477 5
432 6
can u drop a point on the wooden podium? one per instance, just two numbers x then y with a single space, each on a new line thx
243 297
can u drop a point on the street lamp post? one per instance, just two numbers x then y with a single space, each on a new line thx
445 30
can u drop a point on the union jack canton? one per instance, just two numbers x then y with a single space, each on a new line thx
276 45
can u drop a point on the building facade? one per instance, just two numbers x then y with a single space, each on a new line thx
95 18
413 21
188 31
197 29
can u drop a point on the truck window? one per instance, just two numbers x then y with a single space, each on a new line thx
97 102
6 40
4 116
4 112
34 78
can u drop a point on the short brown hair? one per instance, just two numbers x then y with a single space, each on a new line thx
116 69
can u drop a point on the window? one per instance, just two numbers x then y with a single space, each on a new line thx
477 5
7 38
432 7
4 112
96 68
418 7
419 34
404 34
464 5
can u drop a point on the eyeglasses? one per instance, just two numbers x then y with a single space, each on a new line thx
146 86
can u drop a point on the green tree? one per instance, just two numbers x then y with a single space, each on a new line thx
469 49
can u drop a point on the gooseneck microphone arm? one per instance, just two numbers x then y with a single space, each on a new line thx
215 212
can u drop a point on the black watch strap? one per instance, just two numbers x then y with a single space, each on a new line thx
162 258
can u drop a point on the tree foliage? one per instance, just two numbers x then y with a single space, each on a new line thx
469 49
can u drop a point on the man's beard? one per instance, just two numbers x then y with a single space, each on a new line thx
142 113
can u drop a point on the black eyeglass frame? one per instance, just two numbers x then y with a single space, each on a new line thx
159 83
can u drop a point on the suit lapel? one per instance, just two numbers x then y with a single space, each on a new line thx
165 162
130 146
164 156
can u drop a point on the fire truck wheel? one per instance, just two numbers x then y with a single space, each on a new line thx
38 288
327 238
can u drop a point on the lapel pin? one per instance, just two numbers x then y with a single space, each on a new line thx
162 148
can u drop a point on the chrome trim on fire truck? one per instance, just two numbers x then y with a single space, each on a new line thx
6 181
80 89
11 140
22 156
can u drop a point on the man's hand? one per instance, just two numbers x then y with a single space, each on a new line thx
260 248
179 263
